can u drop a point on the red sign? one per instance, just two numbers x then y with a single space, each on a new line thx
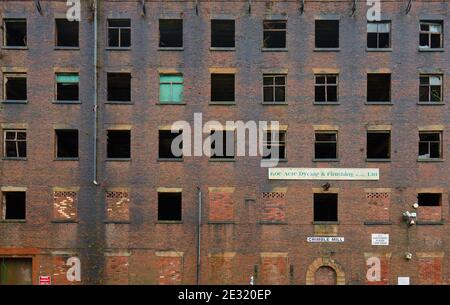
45 280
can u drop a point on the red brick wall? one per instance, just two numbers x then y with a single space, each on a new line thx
325 276
116 269
429 213
274 270
117 206
170 270
221 206
378 206
60 271
65 205
430 270
273 207
221 269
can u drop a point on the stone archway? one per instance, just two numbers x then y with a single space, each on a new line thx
329 272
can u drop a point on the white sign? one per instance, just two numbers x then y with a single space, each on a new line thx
325 239
324 173
403 280
380 239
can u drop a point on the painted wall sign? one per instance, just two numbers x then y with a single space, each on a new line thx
292 173
45 280
380 239
403 280
325 239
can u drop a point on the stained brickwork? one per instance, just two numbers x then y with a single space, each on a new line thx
117 206
273 206
65 205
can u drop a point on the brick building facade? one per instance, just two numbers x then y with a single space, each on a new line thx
53 214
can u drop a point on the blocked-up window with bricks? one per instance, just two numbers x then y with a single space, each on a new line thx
65 205
274 269
273 207
430 207
430 270
117 206
117 270
221 272
170 270
221 205
379 203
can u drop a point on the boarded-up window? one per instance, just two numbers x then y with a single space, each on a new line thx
15 271
170 88
273 207
65 205
117 206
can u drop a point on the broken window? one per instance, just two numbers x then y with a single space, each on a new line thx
222 144
429 199
274 34
170 88
378 87
326 88
222 33
169 206
119 87
119 144
378 35
66 33
119 33
222 87
66 143
15 32
430 145
165 144
378 145
15 271
14 206
15 144
274 88
325 146
15 86
170 33
325 207
275 141
430 35
67 86
430 88
327 33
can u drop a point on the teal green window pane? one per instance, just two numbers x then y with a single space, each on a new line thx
171 79
164 93
177 93
67 78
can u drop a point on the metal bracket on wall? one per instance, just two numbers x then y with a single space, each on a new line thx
353 8
143 11
196 7
38 6
302 7
249 6
408 7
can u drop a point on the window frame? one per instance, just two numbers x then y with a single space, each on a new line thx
281 21
327 48
389 23
57 141
441 86
56 87
336 142
56 33
109 158
160 47
6 20
220 102
158 204
274 86
325 85
119 28
279 143
429 33
3 207
171 84
384 102
389 132
8 75
224 157
440 142
212 33
16 140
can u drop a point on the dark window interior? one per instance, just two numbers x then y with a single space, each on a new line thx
169 206
118 145
378 35
430 35
14 205
15 271
274 88
15 33
222 87
326 88
67 90
430 89
327 33
429 145
278 145
325 207
15 143
119 87
227 149
222 34
170 33
274 34
67 33
378 145
16 88
119 33
66 143
325 145
165 142
378 87
429 199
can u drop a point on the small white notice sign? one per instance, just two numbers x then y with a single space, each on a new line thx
380 239
403 280
290 173
325 239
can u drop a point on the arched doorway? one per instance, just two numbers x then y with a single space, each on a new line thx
325 276
325 271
